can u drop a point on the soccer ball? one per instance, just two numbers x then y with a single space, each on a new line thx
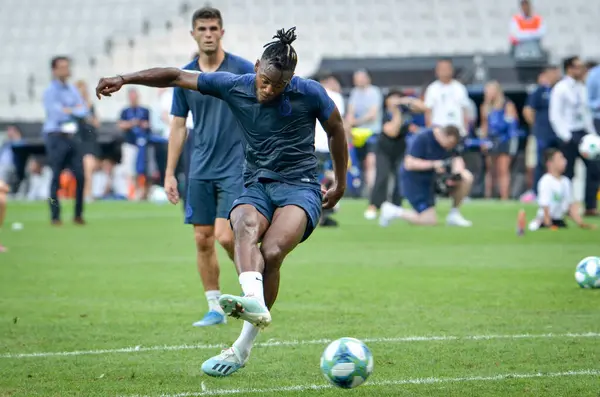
589 147
158 195
587 273
347 363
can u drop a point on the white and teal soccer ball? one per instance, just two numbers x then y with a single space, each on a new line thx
589 147
158 195
587 273
347 363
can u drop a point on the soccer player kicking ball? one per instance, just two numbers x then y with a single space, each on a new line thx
281 202
555 196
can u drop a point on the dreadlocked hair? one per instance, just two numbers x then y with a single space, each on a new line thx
280 52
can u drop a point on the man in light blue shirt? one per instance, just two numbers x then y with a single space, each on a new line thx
365 111
65 111
593 89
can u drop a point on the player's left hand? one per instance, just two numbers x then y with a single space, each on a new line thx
332 196
107 85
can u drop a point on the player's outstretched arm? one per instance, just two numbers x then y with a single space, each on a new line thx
156 77
338 146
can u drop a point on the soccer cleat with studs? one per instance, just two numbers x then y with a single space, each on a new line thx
246 308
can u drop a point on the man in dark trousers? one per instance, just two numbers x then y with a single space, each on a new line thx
65 109
571 120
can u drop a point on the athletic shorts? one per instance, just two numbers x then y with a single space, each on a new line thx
207 200
268 195
510 147
420 194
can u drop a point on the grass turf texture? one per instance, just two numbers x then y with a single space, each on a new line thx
129 279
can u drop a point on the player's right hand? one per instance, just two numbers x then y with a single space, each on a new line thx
332 196
171 189
107 85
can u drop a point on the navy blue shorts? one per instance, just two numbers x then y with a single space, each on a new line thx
267 195
420 194
207 200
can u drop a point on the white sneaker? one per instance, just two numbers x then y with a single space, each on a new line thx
370 214
387 213
534 225
456 219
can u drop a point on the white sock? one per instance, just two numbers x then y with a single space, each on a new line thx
212 297
454 212
244 342
252 284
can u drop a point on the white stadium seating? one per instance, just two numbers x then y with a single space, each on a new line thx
34 30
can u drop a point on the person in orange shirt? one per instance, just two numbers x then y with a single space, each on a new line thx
526 26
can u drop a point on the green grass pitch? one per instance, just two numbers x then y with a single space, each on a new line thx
106 310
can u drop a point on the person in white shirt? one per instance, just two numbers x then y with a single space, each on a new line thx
571 120
333 89
160 121
447 100
555 196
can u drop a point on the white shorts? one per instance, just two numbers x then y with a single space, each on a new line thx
129 153
531 159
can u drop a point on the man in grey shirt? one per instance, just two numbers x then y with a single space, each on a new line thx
365 110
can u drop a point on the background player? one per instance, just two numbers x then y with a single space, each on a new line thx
281 203
555 195
4 190
427 155
215 169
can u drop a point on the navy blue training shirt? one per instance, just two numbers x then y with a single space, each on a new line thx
280 134
539 100
424 146
139 113
216 139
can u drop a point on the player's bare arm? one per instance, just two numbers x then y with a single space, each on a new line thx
338 146
155 77
177 137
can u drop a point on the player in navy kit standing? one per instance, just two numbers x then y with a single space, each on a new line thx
282 199
216 160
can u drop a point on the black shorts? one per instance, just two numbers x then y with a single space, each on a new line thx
88 143
509 146
556 223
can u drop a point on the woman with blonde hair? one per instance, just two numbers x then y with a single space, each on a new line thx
89 141
499 123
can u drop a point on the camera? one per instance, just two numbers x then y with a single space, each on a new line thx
446 181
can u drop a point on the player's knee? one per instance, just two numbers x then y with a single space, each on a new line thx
225 239
272 253
205 239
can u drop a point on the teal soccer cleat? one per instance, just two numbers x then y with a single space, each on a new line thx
246 308
224 364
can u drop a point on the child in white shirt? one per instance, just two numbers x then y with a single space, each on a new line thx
555 195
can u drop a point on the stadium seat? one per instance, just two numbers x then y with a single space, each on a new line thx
37 29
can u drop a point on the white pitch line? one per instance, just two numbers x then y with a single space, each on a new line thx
285 343
399 382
